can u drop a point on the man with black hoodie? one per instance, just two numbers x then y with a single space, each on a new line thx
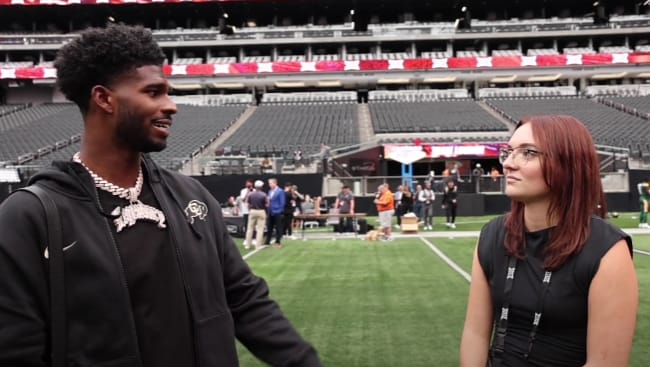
152 277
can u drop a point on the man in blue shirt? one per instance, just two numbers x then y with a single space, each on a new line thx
277 202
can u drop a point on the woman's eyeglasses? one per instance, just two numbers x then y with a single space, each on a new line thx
520 156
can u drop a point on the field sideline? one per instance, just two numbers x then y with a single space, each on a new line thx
399 303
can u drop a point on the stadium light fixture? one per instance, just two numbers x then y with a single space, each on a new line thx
608 76
329 83
393 81
191 86
441 79
503 79
281 84
228 85
544 78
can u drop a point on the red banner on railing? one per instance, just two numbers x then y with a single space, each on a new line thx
293 67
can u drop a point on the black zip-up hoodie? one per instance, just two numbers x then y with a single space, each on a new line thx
225 299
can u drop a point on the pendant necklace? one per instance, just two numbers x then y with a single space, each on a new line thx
128 215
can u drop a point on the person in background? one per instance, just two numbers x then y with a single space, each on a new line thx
644 201
152 276
397 197
455 173
308 205
446 173
450 203
345 205
386 208
277 201
417 204
231 206
426 198
325 157
431 179
318 202
407 200
494 172
553 282
477 173
298 199
242 200
498 184
266 164
258 203
289 210
297 157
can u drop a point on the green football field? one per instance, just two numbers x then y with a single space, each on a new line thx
399 303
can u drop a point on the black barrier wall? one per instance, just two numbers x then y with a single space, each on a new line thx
222 187
495 204
468 205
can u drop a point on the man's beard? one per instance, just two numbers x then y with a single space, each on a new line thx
133 132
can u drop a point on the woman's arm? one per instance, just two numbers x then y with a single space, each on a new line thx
613 303
475 343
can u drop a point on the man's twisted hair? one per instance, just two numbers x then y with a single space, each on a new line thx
101 56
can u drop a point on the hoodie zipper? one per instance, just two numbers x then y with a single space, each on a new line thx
125 283
162 200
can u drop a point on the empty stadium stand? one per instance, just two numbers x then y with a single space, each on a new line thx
633 104
194 128
35 131
442 116
607 125
41 134
280 128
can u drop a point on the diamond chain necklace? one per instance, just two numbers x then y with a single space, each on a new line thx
131 194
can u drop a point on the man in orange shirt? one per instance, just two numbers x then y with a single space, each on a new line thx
386 208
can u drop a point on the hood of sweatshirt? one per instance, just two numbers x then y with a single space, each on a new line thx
72 179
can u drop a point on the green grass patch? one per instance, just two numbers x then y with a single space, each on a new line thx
460 250
367 303
376 304
641 347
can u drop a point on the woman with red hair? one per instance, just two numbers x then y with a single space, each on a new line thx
553 283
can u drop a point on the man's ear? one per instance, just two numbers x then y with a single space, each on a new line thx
103 98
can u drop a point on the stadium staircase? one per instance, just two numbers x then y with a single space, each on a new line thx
496 115
366 132
195 166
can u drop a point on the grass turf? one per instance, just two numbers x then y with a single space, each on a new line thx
392 304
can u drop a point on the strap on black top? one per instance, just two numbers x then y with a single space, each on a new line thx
58 332
501 330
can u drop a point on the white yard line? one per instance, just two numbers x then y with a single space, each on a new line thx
642 252
446 259
253 252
